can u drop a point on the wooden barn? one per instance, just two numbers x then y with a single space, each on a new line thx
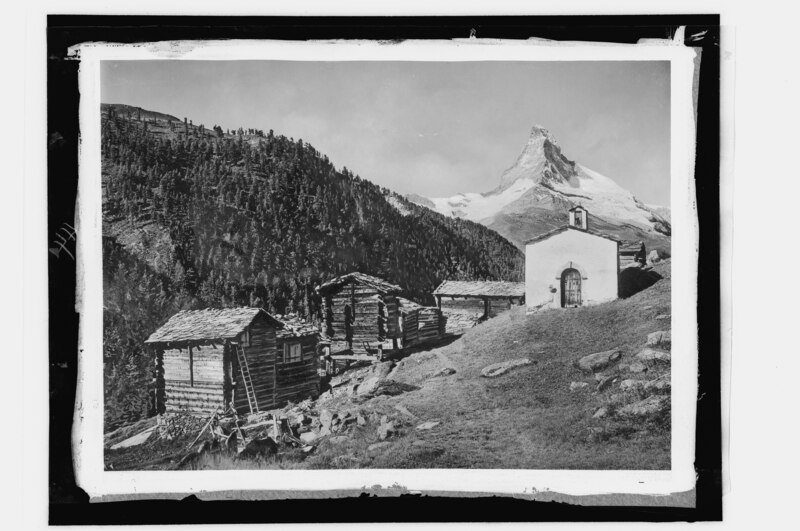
480 297
360 314
418 324
632 253
208 360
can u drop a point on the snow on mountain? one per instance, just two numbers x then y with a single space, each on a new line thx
543 179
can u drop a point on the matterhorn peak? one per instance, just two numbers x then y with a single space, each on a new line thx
537 131
540 159
542 184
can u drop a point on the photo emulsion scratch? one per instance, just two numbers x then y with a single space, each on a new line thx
450 267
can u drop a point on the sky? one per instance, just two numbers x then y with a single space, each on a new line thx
434 129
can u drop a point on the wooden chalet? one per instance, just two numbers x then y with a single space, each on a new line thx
209 360
360 314
482 297
632 253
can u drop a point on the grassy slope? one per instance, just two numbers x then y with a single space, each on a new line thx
526 418
529 418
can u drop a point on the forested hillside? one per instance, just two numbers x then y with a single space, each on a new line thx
196 217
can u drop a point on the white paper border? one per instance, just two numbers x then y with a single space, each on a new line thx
88 428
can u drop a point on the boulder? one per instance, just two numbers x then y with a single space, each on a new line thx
309 437
361 421
378 446
606 382
368 386
630 385
444 371
428 425
393 388
326 418
382 369
600 413
651 406
599 360
637 367
386 430
574 386
662 338
496 369
655 256
659 386
651 355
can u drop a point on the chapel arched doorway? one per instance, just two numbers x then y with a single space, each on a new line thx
570 288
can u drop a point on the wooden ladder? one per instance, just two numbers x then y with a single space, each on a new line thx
244 368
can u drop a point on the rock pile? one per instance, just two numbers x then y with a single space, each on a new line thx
365 383
177 426
644 395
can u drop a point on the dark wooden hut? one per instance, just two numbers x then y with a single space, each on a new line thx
418 324
481 297
360 314
209 360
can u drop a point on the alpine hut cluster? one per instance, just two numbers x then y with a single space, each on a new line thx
210 360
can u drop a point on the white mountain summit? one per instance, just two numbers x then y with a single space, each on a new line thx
535 193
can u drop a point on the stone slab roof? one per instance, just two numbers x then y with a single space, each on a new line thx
295 326
480 288
378 284
208 325
407 305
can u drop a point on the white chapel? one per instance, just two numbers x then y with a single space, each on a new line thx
571 266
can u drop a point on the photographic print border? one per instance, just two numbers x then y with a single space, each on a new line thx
63 132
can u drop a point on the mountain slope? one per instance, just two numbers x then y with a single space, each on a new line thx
536 192
196 217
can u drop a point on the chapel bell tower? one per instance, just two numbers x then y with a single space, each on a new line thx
579 218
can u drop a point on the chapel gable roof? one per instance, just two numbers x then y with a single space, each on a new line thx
565 228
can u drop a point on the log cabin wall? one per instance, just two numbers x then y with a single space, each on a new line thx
297 380
193 379
410 326
357 314
261 360
368 326
392 316
471 305
429 324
